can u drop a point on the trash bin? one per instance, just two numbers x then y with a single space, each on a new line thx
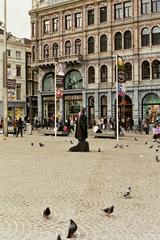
28 128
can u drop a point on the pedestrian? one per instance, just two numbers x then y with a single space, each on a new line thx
14 124
20 127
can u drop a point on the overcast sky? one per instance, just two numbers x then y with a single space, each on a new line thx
18 19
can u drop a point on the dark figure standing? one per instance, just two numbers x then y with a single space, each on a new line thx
81 133
20 127
81 126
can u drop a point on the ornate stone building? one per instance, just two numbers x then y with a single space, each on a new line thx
87 35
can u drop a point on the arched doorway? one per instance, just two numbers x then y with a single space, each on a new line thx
73 85
124 108
103 106
151 107
90 111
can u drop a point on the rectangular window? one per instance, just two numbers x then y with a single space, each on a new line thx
55 24
68 22
35 88
46 26
91 17
18 91
127 9
146 6
103 14
28 72
18 70
8 52
29 88
18 54
118 11
33 29
155 5
78 20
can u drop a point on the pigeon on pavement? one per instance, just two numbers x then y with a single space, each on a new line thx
116 146
151 146
127 193
46 212
99 150
32 144
157 159
135 139
72 228
59 237
108 210
41 144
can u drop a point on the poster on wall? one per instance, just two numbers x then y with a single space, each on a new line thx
11 89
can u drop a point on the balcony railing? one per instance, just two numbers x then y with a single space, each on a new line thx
47 3
64 59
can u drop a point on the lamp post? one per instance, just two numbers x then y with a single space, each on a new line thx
5 85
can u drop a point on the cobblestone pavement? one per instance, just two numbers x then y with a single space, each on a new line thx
78 186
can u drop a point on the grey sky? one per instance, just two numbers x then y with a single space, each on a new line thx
18 19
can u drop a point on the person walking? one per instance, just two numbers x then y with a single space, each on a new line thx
20 127
14 124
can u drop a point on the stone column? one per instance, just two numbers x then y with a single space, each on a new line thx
61 108
96 104
40 106
109 106
135 106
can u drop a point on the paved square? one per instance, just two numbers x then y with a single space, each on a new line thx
78 186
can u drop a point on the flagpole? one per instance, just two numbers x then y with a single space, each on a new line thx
117 120
55 101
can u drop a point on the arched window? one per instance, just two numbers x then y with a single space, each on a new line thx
156 69
104 73
90 45
103 43
91 75
46 51
145 70
68 48
118 41
48 83
55 50
145 37
127 40
33 53
73 80
78 46
128 71
156 36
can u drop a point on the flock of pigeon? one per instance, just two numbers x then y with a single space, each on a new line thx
109 210
73 226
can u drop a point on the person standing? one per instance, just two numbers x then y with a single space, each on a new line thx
81 126
20 127
14 124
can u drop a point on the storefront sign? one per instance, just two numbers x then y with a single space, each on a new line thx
11 89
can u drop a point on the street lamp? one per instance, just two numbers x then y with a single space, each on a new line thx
5 85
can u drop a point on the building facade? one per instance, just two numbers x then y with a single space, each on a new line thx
16 75
86 36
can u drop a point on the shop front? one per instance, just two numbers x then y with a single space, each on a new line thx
16 110
151 107
124 108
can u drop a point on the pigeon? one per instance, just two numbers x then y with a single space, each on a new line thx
108 210
32 144
145 143
99 150
41 144
116 146
46 212
127 193
151 146
135 139
127 145
72 228
59 237
71 142
157 159
121 146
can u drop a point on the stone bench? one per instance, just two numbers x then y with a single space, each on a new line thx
48 132
105 134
